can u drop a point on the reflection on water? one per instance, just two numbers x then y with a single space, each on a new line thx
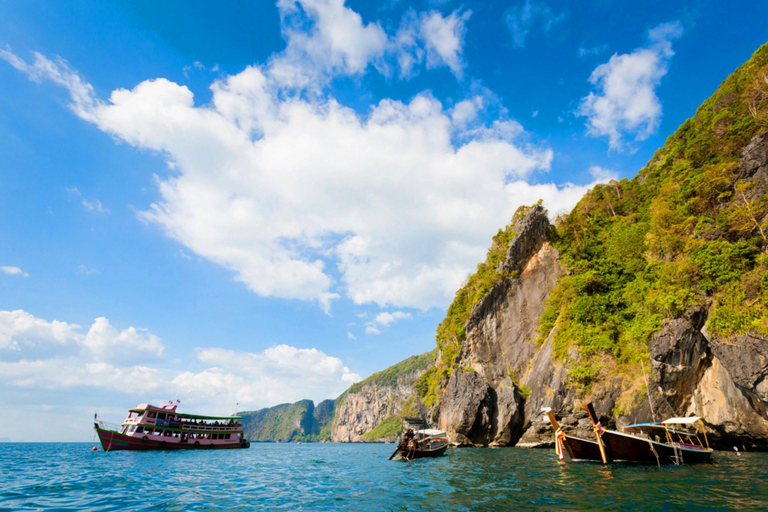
68 476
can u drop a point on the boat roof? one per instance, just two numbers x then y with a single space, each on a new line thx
172 408
646 426
432 432
682 421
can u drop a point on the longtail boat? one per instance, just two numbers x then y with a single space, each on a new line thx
578 449
417 442
672 441
148 427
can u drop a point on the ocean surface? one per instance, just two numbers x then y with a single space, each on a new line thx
358 477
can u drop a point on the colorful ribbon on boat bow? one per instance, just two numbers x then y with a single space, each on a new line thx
559 437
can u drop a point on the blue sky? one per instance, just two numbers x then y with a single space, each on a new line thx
266 201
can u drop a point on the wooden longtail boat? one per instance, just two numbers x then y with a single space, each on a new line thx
417 443
578 449
673 441
148 427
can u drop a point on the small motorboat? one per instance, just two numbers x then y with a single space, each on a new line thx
417 441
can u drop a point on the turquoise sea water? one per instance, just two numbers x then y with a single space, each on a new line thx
358 477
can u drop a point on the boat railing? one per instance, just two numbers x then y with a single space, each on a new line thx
108 426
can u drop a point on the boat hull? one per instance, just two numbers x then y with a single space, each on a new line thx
421 454
626 447
581 449
112 440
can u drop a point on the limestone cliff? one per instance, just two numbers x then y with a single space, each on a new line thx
650 299
372 410
300 421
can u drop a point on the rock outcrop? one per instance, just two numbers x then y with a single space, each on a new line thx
371 410
499 344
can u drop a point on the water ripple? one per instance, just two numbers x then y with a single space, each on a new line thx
338 477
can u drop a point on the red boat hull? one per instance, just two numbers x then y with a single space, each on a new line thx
112 440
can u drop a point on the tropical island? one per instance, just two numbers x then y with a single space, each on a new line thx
649 299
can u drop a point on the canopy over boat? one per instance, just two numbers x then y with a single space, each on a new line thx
681 421
172 408
433 432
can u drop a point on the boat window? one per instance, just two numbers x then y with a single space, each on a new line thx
132 429
151 414
228 436
139 430
161 415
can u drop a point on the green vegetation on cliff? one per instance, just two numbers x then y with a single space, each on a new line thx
300 421
390 376
450 333
688 231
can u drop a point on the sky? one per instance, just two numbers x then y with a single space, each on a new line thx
241 204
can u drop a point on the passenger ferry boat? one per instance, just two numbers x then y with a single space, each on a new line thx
148 427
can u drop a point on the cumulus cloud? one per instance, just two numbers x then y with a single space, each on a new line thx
28 337
386 318
277 375
624 103
520 19
431 38
58 356
304 198
13 271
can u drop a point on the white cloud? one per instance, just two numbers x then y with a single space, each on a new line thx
386 318
596 50
351 336
625 102
93 206
88 271
601 174
30 337
371 329
337 42
55 357
304 198
13 271
431 38
520 19
277 375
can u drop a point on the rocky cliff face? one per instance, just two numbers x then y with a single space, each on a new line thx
372 410
690 372
300 421
482 404
359 413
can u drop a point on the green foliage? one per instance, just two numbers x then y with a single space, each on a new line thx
387 429
390 376
685 231
300 421
450 332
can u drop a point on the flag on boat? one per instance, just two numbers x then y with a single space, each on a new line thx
95 416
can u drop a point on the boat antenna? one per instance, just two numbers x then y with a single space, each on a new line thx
178 388
647 391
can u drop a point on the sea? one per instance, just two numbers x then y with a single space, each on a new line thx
358 477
